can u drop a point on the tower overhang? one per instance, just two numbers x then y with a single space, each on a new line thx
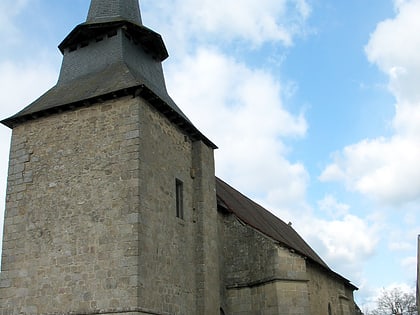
150 41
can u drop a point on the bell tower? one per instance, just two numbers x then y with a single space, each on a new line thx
111 204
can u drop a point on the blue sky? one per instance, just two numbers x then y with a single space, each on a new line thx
313 105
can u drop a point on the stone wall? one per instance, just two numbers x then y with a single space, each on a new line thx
90 224
91 227
71 222
172 275
206 237
326 289
259 276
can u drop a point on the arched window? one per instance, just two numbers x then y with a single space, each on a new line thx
329 309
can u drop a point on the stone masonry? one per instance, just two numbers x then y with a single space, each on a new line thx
260 275
90 222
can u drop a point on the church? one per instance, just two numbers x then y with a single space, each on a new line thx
113 206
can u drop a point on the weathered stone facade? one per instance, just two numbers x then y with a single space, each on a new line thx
113 206
262 277
328 292
90 223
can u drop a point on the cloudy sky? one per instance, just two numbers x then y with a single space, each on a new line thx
314 105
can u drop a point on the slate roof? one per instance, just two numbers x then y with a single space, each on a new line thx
150 40
112 82
114 77
265 222
103 11
119 77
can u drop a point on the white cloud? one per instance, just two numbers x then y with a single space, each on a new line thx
393 48
403 238
386 169
410 218
332 207
241 110
400 246
409 263
21 83
254 21
344 243
9 9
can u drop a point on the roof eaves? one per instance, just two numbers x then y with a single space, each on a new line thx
336 275
138 90
151 41
13 121
173 115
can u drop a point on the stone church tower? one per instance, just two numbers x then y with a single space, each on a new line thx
111 204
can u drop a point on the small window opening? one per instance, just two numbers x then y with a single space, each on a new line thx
329 309
179 190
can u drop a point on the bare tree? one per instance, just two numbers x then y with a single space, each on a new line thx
395 302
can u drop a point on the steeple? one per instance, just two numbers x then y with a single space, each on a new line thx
107 14
110 55
102 11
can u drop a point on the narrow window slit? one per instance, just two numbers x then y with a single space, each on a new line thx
179 191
